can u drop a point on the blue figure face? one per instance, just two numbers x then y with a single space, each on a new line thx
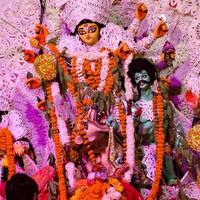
142 79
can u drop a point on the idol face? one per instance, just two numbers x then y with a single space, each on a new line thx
142 79
89 33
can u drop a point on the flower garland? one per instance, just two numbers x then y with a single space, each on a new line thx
70 173
6 145
92 75
158 110
109 83
97 190
130 152
121 117
79 127
93 191
56 139
97 74
130 131
63 132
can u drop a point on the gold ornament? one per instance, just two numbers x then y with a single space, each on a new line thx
45 66
193 138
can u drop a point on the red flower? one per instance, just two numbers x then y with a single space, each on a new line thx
191 98
138 112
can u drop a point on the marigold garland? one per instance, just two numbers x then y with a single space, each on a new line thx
6 145
56 139
109 84
158 109
93 191
91 76
97 189
122 120
79 127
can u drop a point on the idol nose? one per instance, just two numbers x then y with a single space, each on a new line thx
139 78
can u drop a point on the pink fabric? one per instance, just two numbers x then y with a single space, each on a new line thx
42 178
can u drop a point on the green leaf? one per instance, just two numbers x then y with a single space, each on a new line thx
121 71
49 105
51 159
46 116
169 111
29 75
102 96
101 105
114 70
53 187
95 96
112 99
62 80
68 78
53 40
50 132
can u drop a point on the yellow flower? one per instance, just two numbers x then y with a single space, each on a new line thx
116 184
5 162
77 195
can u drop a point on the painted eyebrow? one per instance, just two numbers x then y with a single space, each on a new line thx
93 26
144 73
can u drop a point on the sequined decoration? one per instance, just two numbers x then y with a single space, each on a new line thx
193 138
45 66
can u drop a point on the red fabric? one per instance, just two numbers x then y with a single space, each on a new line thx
191 98
2 189
131 192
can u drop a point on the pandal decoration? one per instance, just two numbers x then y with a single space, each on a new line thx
193 138
158 110
6 146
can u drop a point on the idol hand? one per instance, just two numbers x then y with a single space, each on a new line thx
33 83
141 11
29 56
18 148
160 30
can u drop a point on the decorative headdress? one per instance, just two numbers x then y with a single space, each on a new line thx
76 10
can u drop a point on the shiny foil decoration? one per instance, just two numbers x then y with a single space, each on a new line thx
45 66
193 138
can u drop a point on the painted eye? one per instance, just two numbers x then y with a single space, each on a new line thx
137 78
144 76
81 32
92 30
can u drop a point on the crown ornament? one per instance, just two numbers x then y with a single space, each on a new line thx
75 11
